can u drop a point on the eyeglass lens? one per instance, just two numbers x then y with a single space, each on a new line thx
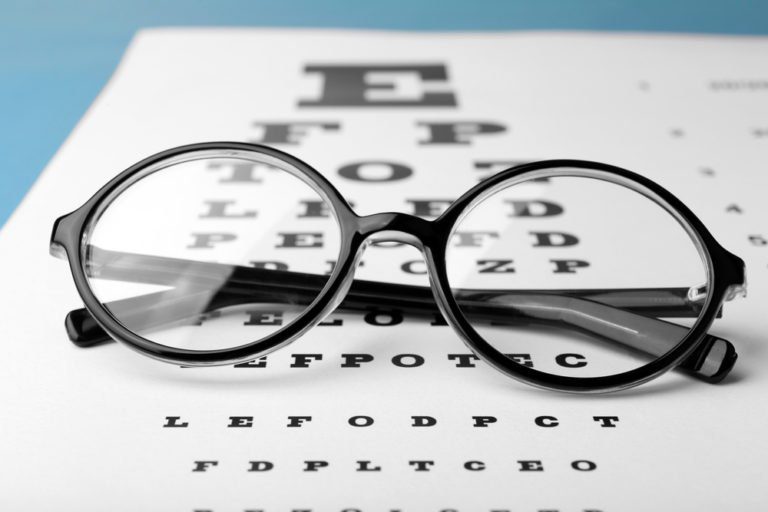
592 281
183 256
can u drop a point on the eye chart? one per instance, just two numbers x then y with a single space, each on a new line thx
379 410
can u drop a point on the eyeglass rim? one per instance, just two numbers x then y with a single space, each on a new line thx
723 269
70 229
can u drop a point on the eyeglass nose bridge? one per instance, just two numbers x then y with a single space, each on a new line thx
397 227
383 227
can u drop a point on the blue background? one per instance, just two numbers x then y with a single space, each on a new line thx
56 56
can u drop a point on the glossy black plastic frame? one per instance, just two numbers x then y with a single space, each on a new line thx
725 270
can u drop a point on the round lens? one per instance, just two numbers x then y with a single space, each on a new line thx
576 273
210 250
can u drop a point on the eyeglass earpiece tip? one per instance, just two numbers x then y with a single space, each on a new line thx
82 329
719 361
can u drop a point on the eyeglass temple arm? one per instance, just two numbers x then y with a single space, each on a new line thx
613 314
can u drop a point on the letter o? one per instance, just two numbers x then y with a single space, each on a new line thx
385 317
396 171
398 360
367 421
583 465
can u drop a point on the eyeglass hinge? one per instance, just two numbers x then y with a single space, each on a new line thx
699 293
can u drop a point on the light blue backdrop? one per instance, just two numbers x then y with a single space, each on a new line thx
55 55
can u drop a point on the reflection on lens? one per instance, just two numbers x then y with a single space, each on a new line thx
576 276
211 253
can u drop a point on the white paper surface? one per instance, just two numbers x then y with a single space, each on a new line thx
83 429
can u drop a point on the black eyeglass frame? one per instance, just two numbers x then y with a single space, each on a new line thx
726 274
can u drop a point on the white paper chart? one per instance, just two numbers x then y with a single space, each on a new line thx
382 411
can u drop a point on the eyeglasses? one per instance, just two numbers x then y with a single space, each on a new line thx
564 274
